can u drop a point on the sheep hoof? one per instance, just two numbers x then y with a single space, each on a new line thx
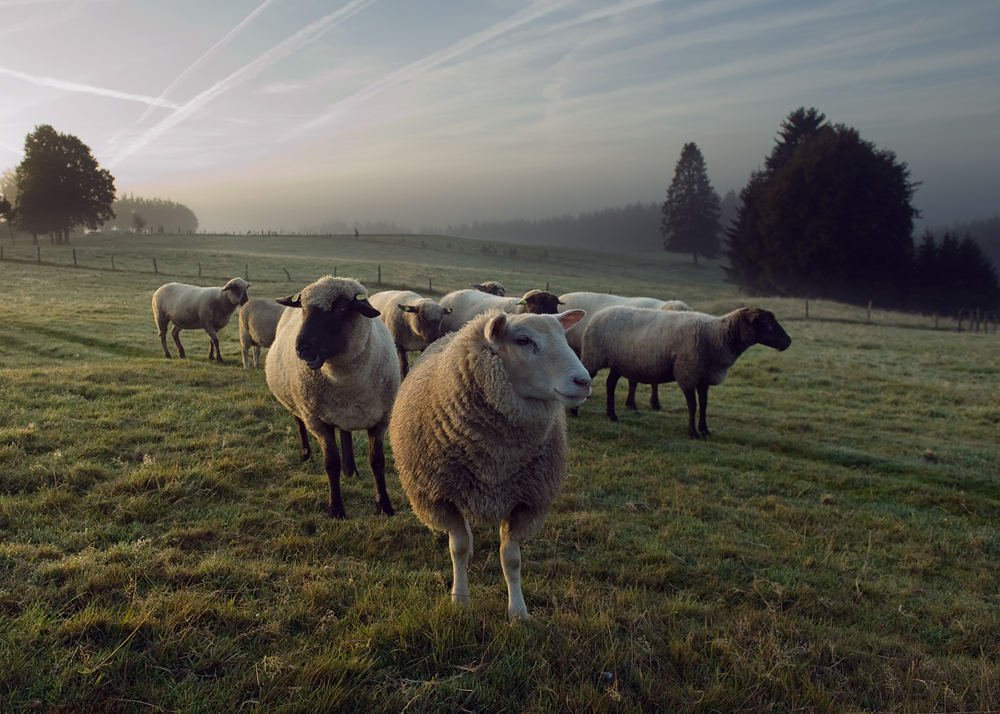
337 514
463 600
386 508
613 417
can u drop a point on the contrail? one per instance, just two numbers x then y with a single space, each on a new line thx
207 56
421 67
88 89
275 54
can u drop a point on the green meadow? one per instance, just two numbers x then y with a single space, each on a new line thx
833 546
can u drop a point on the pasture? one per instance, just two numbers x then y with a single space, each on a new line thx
832 547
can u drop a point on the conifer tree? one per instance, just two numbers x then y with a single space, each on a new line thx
691 210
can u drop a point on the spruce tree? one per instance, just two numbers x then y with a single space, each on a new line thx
691 210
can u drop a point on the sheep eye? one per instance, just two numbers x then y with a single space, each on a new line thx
522 340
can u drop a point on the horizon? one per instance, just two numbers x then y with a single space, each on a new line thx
261 114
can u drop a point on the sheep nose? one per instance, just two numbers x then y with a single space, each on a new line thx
582 381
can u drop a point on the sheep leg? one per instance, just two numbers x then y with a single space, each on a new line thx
327 437
176 333
347 466
613 378
163 339
703 399
654 397
256 356
692 406
304 449
460 547
213 348
376 459
404 363
630 399
510 559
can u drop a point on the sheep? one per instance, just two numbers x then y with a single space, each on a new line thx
333 366
258 321
591 303
478 434
466 304
491 287
413 321
694 349
190 307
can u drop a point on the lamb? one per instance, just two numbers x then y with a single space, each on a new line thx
491 287
190 307
466 304
694 349
333 366
413 321
478 434
592 302
258 321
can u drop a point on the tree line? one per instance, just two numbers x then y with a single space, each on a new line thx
58 187
830 215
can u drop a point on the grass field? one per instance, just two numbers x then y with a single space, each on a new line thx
832 547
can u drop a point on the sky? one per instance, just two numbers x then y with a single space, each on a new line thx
281 114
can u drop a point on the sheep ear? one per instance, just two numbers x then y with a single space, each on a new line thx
361 304
407 308
570 317
448 311
524 301
477 287
291 301
495 328
560 302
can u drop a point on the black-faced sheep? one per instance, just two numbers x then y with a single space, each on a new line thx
466 304
592 303
490 286
333 366
413 321
694 349
190 307
478 434
258 322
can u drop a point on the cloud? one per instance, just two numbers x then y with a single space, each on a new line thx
88 89
245 73
212 51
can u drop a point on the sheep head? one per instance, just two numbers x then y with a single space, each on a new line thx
333 311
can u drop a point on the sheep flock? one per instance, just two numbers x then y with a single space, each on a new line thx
477 423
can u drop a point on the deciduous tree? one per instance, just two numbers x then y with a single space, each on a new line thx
60 186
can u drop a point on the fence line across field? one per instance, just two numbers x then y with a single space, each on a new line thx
976 319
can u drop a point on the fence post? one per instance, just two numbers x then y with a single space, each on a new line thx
430 284
246 271
39 249
335 271
287 275
869 311
935 320
74 257
959 320
807 308
154 267
199 269
112 263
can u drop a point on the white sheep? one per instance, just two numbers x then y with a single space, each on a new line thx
191 307
413 321
592 303
466 304
333 366
258 322
478 434
490 286
694 349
